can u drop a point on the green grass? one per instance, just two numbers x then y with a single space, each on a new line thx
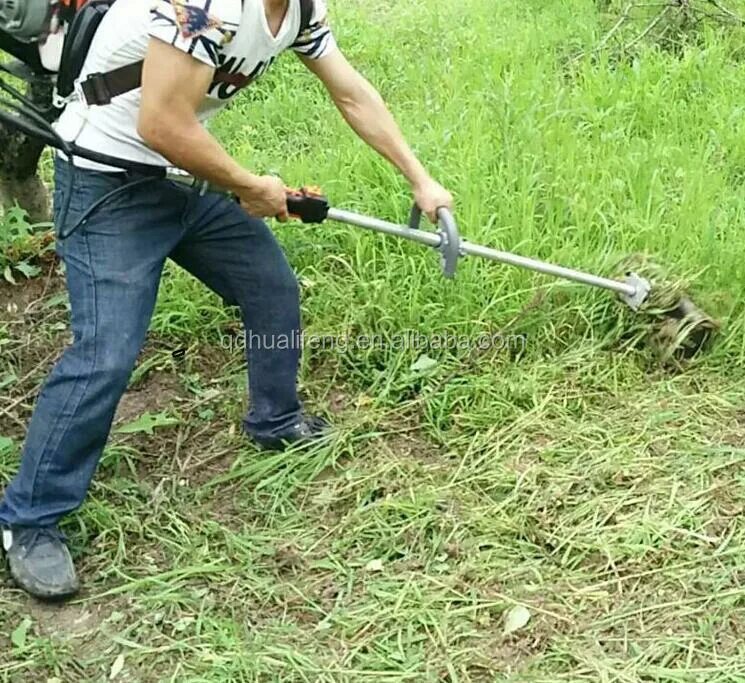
574 477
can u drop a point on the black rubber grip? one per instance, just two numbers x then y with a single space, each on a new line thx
307 206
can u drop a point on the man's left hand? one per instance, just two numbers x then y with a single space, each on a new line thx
365 111
430 196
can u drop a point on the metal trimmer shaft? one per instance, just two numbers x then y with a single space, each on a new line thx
311 206
633 290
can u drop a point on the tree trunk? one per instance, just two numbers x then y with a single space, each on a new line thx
19 162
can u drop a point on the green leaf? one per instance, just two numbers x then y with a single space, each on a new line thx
17 223
116 667
423 364
56 300
515 619
16 214
7 445
8 378
8 275
374 566
147 422
18 637
27 269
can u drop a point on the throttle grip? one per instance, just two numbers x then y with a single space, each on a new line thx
308 204
415 217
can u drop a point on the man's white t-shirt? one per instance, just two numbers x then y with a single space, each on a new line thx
232 35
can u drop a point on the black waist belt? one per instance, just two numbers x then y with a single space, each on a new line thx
130 167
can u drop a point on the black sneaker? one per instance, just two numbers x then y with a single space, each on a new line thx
40 562
310 428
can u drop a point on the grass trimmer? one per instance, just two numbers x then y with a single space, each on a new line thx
679 327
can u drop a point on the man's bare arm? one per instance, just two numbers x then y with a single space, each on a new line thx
174 85
367 114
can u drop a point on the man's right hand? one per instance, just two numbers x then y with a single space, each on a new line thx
264 197
174 85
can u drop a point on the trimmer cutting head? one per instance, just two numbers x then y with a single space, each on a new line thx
676 327
684 331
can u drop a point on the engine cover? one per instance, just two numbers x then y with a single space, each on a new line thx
25 20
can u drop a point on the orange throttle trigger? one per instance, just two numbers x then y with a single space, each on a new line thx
308 204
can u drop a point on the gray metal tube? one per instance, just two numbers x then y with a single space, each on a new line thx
431 239
548 268
466 248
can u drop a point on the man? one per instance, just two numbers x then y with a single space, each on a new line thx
115 257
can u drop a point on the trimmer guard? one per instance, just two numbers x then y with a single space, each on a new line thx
642 289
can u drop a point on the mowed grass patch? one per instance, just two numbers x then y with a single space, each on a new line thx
560 471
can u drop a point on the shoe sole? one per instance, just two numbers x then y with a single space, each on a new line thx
46 596
41 594
279 446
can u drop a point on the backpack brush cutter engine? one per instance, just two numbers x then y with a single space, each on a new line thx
679 327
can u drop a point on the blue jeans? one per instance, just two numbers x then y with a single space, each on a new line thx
113 268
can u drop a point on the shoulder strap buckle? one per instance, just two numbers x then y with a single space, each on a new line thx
95 90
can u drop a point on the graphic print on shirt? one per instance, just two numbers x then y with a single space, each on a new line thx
196 30
232 79
313 42
193 23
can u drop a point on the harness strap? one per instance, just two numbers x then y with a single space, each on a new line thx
100 88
